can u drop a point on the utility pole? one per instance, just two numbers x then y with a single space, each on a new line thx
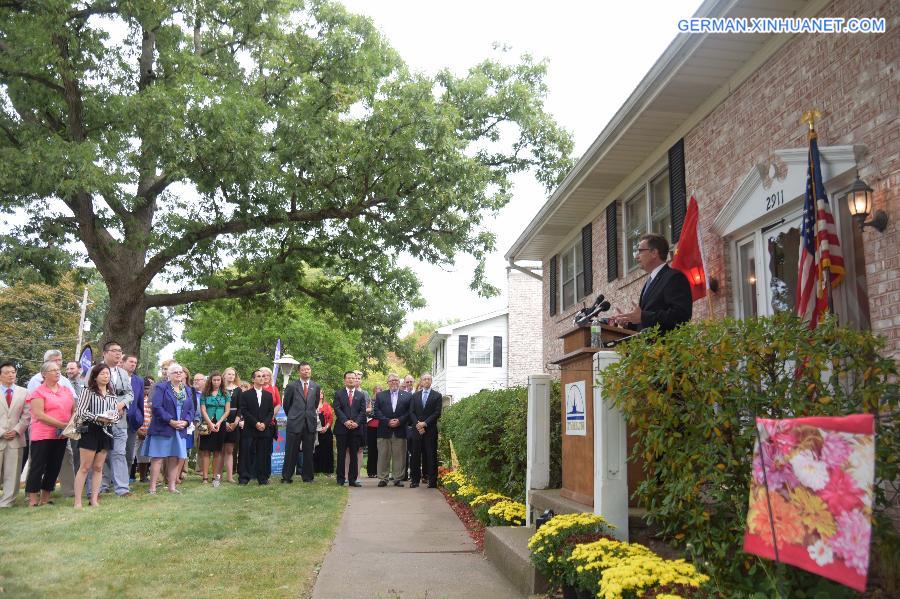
84 303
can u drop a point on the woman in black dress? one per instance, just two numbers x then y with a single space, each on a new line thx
232 384
323 458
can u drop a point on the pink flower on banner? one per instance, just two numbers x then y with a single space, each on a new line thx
777 475
781 437
821 552
841 493
835 450
852 540
811 473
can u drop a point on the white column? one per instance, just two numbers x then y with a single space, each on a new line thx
537 471
610 454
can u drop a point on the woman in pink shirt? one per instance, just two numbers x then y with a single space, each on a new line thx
51 409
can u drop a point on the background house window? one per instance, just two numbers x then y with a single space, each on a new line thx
572 275
480 351
647 211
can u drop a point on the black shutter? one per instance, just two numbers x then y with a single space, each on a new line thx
677 189
463 351
612 243
554 292
498 351
587 240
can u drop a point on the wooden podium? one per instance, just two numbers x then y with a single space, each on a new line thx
576 364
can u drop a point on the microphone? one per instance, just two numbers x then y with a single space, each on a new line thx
615 342
601 305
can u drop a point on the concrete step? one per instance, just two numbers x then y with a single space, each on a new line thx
550 499
506 547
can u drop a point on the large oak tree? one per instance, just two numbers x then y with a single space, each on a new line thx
164 140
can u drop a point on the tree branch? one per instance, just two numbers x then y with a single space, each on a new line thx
101 8
159 300
36 78
184 243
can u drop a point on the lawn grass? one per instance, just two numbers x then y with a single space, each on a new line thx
228 542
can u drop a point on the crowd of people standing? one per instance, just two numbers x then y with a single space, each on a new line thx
104 432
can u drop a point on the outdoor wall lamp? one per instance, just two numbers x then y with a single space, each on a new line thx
859 201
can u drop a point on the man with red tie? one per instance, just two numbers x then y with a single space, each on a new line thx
301 400
349 425
15 415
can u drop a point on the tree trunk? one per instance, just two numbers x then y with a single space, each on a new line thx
124 321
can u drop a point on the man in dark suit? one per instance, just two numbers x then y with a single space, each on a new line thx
301 399
349 426
666 296
257 410
392 412
425 410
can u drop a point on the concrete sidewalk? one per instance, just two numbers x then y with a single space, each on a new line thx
402 542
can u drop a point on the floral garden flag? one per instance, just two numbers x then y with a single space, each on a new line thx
819 473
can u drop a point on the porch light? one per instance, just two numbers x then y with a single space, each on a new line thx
859 202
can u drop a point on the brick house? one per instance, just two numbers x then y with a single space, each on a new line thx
718 117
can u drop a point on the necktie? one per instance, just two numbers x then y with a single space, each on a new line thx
305 388
394 402
644 290
350 398
9 398
424 399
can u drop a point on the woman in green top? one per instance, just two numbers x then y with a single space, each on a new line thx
214 407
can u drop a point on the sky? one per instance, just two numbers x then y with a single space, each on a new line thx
597 53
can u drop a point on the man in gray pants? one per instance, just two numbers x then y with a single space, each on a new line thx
115 471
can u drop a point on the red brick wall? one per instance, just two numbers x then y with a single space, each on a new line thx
852 79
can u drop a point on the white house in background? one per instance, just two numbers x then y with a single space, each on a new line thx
495 350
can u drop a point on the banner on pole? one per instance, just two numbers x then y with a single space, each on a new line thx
811 495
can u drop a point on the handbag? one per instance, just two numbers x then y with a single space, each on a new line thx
203 429
71 431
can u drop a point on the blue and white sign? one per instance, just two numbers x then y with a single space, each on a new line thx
576 423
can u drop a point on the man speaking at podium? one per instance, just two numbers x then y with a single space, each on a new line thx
666 296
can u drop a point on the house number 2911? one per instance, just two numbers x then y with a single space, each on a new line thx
775 200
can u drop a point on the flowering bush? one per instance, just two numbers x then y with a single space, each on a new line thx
467 492
553 542
452 480
631 577
507 512
481 504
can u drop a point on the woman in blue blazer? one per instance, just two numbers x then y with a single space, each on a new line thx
173 410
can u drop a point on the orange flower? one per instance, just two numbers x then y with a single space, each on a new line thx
788 525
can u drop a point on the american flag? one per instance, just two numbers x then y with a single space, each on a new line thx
820 248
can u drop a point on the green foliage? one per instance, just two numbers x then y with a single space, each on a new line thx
34 318
243 334
691 400
488 431
283 137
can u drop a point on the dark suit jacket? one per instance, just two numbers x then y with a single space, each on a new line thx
252 412
429 414
301 410
384 411
667 301
344 412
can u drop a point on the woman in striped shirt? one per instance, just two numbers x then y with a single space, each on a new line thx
97 413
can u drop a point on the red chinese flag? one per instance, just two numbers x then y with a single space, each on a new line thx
689 254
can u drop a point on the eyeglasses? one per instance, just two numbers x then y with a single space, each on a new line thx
639 250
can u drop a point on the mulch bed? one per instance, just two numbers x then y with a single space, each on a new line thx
473 526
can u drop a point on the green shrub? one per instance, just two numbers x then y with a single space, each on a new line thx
690 401
488 431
